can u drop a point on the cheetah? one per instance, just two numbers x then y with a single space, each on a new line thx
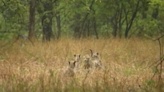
86 62
69 71
77 59
95 60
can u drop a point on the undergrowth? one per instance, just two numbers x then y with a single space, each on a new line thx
128 66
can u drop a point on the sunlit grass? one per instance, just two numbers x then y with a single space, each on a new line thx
126 62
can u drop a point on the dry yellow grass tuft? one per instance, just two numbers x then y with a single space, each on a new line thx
126 63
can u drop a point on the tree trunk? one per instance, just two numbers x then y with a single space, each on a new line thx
114 33
82 28
130 22
155 12
114 25
76 32
145 7
47 28
47 21
31 34
58 26
95 28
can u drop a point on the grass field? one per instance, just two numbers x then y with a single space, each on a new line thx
128 66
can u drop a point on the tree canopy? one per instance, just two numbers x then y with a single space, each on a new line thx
53 19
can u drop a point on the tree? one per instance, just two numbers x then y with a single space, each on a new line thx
14 16
58 23
31 34
48 10
81 18
47 20
129 22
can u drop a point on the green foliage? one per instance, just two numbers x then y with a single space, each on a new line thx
151 82
15 16
147 27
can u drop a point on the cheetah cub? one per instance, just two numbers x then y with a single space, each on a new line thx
69 72
77 59
95 60
86 62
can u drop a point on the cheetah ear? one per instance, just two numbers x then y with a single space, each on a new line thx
97 53
74 62
69 62
91 52
74 55
79 56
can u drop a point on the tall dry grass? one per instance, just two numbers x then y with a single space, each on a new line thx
126 62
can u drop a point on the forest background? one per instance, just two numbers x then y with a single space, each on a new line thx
53 19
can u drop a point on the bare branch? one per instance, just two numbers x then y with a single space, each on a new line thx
158 37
